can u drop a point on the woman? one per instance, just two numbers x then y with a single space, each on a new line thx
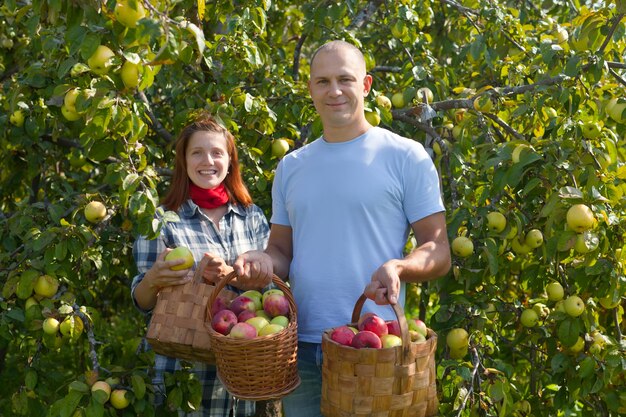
217 220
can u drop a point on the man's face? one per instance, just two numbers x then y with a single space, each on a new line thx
338 86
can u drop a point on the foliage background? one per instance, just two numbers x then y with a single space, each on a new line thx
247 62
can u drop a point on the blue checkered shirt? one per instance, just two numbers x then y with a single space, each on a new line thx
241 229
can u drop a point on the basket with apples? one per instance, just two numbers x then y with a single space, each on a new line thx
377 367
255 339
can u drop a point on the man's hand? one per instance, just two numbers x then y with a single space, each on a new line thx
254 269
384 287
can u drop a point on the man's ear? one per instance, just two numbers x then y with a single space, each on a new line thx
367 85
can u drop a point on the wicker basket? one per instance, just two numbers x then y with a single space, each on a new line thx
388 382
263 368
177 325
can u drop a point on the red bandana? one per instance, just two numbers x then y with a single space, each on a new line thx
208 199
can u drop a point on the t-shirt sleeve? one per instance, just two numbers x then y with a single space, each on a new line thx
279 210
421 185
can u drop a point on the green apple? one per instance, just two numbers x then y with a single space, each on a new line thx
372 118
69 114
483 104
280 320
119 399
457 132
50 326
72 327
579 218
180 252
17 118
30 302
279 148
390 340
270 329
608 303
534 238
95 211
258 323
517 152
462 246
383 101
529 318
104 387
496 221
578 346
458 353
128 13
398 100
519 247
591 130
262 313
574 305
424 92
46 286
69 100
614 108
586 241
457 338
256 296
555 291
130 74
549 112
99 61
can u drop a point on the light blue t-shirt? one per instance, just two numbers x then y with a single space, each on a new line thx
350 206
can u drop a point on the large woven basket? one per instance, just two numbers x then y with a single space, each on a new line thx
263 368
389 382
177 327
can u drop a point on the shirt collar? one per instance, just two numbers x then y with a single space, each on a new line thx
190 209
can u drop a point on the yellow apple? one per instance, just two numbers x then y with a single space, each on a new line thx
69 114
270 329
462 246
99 61
279 148
457 338
608 303
119 400
383 101
555 291
534 238
496 221
69 100
95 211
574 305
50 326
130 74
529 317
427 92
181 252
17 118
72 327
579 218
104 387
372 118
128 14
46 286
578 346
483 104
614 108
398 100
586 241
30 302
519 247
591 130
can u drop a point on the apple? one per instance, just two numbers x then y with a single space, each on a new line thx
241 303
375 325
606 302
419 326
119 400
416 336
17 118
95 211
30 302
362 318
555 291
457 132
390 340
223 321
393 327
549 112
591 130
517 152
496 221
366 339
50 326
457 338
69 100
534 238
529 317
218 305
46 286
614 108
560 306
279 148
99 61
262 313
398 100
246 314
180 252
69 114
256 296
128 14
72 327
579 218
586 241
458 352
519 247
424 92
104 387
271 329
383 101
342 335
270 292
130 74
462 246
574 305
258 323
276 305
483 104
542 310
280 320
372 118
243 330
578 346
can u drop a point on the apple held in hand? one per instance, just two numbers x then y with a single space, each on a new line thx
366 339
342 335
223 321
181 252
241 303
276 305
243 331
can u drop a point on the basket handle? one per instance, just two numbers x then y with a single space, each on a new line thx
197 275
404 327
275 279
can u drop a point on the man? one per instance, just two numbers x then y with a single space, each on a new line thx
343 206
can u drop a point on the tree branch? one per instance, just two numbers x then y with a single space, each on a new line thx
154 122
295 74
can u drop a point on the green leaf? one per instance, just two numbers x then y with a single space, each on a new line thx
139 386
587 367
175 398
568 331
26 283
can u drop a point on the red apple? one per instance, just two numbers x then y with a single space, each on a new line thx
243 331
218 305
374 324
276 305
418 326
256 296
366 339
393 327
342 335
363 317
245 315
223 321
242 303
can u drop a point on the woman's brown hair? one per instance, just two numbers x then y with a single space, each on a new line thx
179 187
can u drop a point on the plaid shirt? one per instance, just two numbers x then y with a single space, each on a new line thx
241 229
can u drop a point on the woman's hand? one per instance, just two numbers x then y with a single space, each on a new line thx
162 275
215 268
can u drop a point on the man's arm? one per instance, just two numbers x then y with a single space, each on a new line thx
429 260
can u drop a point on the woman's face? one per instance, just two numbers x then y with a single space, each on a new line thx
207 159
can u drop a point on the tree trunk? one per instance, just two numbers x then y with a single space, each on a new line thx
269 408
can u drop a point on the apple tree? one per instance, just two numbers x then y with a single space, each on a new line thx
521 105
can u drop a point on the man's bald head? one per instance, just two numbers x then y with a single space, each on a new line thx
339 45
